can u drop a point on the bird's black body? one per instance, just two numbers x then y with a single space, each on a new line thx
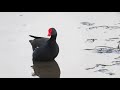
45 48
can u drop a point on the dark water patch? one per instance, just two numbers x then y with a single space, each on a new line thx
102 68
105 49
88 49
105 71
91 40
87 23
98 65
111 39
105 27
102 49
114 38
96 27
118 42
116 62
117 57
104 65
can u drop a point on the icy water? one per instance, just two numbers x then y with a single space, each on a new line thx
88 41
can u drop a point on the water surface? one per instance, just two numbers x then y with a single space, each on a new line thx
77 31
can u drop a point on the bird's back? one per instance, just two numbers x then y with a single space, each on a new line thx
38 42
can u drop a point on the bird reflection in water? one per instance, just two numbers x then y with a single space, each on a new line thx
46 69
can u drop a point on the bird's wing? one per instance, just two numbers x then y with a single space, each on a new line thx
38 42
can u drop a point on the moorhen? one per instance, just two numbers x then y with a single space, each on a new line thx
45 48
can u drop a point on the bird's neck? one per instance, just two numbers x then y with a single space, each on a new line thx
53 37
52 40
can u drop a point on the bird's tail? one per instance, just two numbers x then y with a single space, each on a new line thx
34 36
